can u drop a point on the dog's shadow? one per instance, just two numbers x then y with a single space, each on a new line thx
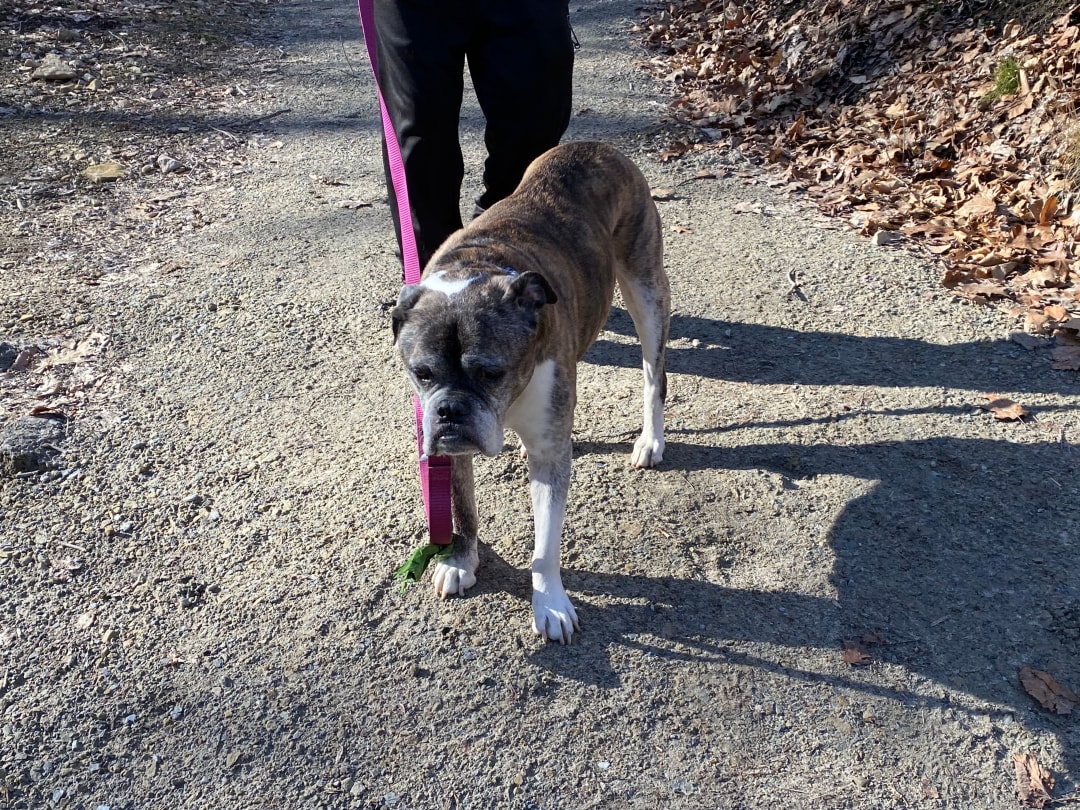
962 554
963 557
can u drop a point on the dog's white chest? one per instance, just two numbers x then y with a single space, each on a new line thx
530 410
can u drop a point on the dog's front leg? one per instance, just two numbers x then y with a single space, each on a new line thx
554 617
457 573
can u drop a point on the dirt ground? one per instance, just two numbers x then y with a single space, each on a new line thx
197 604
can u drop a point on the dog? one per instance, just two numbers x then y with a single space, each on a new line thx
492 334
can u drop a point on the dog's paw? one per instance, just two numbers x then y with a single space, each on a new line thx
648 452
454 575
554 617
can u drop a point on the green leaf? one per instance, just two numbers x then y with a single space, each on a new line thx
414 567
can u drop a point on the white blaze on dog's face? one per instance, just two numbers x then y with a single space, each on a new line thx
467 337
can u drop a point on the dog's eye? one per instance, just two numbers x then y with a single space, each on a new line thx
491 375
423 374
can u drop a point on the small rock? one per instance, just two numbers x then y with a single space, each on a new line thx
8 355
885 238
103 172
168 164
54 69
27 444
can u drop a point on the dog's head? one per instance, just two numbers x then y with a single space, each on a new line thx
467 337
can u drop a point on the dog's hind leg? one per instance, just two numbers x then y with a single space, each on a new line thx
647 299
457 573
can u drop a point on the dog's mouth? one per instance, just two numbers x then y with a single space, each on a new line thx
452 440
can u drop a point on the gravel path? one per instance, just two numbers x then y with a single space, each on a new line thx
197 606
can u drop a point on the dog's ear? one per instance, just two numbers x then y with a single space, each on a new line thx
531 291
406 300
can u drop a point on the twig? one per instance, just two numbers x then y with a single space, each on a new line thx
794 289
229 134
350 62
72 545
266 117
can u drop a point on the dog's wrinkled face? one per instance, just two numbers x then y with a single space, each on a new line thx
466 338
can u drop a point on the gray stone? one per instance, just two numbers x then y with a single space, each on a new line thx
54 69
8 355
28 443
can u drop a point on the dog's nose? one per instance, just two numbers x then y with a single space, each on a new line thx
451 411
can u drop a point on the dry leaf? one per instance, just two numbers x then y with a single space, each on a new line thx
1004 408
978 206
1033 781
663 194
674 149
854 654
76 351
680 229
1065 357
1029 342
1051 694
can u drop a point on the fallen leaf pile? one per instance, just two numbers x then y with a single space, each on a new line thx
908 119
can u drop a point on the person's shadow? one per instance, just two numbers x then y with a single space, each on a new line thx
963 557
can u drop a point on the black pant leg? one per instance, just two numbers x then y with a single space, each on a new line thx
421 55
521 62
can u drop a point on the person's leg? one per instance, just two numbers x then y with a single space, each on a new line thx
421 56
521 59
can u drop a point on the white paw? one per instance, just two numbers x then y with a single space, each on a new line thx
454 575
648 452
554 617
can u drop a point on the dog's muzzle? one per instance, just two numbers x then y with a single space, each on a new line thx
456 424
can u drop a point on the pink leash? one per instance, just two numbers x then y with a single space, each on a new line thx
434 470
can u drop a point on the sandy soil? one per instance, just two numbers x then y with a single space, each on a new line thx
197 605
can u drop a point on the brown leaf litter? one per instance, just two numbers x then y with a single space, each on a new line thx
908 118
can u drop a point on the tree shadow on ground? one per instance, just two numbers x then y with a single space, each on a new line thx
760 354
